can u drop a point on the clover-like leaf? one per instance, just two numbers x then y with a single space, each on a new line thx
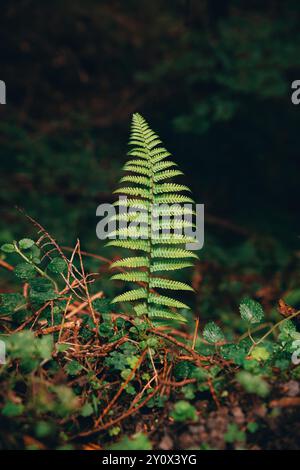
251 311
213 333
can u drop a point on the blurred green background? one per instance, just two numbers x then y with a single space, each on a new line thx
213 78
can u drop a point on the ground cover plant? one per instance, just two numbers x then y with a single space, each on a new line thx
141 369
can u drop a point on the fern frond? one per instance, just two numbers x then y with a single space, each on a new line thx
132 216
172 199
163 166
162 283
143 163
130 296
172 224
141 309
153 143
142 245
134 276
170 188
172 240
167 301
164 175
136 141
174 210
137 169
136 203
134 192
132 262
161 313
136 180
141 153
173 253
169 266
130 232
157 155
148 187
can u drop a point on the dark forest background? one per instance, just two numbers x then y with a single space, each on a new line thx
213 78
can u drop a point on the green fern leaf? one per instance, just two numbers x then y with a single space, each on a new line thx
164 175
149 186
162 283
172 253
169 266
131 295
134 276
163 166
134 192
142 245
141 153
132 262
136 180
161 313
173 240
143 163
171 224
172 199
136 203
170 188
167 301
141 309
131 232
137 169
131 217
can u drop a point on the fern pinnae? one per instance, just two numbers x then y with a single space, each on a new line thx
135 180
129 296
148 176
131 262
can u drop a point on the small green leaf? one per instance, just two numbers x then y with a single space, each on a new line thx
26 243
10 302
45 347
114 431
233 434
252 427
213 333
260 353
106 330
251 311
8 248
57 265
184 411
102 305
25 271
73 368
183 370
86 410
41 290
253 383
12 409
137 442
